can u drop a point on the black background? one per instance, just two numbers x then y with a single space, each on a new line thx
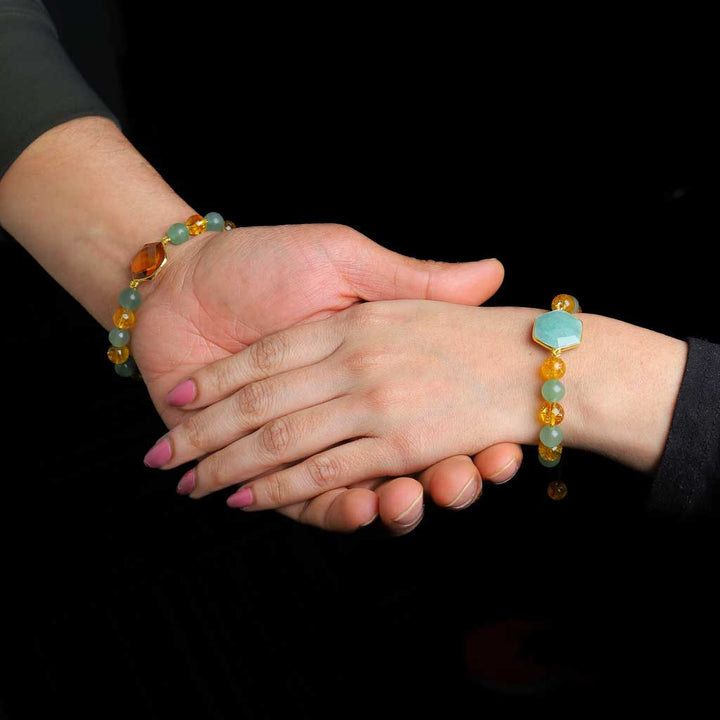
587 165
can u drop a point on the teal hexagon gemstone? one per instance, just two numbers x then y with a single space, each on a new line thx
557 330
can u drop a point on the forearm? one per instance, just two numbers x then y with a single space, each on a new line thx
82 200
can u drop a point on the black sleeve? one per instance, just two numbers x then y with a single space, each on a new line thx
40 87
689 473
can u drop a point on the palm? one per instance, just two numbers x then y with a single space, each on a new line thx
236 287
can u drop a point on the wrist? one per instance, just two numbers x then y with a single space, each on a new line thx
98 202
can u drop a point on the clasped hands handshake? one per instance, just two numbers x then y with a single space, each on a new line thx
261 355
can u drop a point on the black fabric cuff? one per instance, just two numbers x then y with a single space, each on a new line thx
40 86
687 477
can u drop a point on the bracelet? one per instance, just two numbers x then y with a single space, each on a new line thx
145 266
558 330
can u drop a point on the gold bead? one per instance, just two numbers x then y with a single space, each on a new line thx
124 318
557 490
551 413
118 355
564 302
553 368
196 224
548 453
229 225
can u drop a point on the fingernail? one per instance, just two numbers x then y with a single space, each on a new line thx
412 514
158 454
187 483
182 394
507 472
241 499
370 521
467 495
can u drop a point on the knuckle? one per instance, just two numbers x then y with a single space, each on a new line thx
324 471
383 398
275 437
195 431
252 400
276 491
360 360
212 473
402 449
268 353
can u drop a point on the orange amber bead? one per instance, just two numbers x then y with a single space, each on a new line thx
124 318
553 368
118 355
196 224
557 490
564 302
229 225
148 261
551 413
548 453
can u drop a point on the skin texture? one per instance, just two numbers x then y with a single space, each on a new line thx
99 201
390 387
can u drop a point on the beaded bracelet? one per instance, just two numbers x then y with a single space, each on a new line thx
557 330
145 266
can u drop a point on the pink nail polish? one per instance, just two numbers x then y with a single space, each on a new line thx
187 483
158 454
241 499
182 394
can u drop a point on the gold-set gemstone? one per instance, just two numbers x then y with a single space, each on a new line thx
148 261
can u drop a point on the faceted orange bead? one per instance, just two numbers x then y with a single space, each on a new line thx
124 318
564 302
118 355
147 261
196 224
557 490
553 368
229 225
551 413
548 453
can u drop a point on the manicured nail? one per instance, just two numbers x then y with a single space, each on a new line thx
187 483
182 394
241 499
158 454
467 495
412 514
506 472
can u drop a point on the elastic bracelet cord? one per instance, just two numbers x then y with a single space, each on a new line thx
145 266
558 330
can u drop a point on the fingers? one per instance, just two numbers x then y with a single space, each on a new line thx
499 463
293 348
453 483
281 441
251 407
340 510
337 467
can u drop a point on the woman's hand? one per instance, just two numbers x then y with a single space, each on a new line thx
382 389
221 292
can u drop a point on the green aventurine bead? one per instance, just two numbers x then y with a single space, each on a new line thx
119 337
130 299
551 436
178 233
215 221
126 369
553 391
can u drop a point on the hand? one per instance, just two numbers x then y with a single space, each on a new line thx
221 292
381 389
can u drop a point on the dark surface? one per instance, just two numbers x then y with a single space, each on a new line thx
124 599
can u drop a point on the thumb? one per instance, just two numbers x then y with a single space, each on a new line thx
381 274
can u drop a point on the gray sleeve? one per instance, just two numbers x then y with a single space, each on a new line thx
40 87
